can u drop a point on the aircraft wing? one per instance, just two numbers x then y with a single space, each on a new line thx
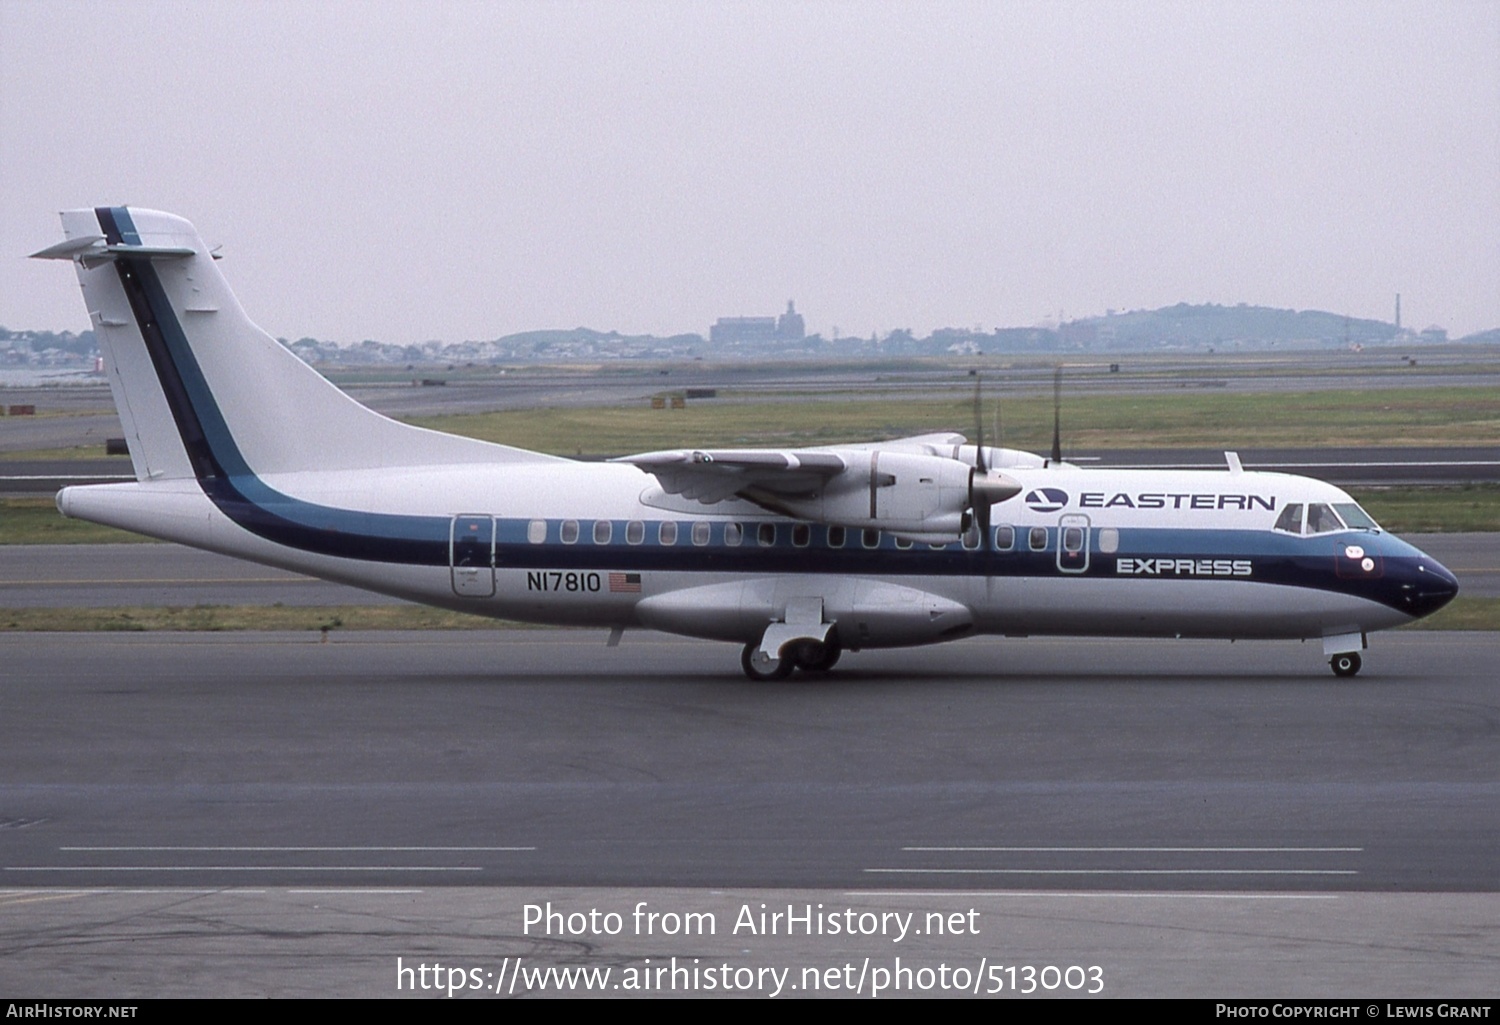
934 444
712 475
923 488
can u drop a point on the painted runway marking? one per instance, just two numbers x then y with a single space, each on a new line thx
1086 895
1149 850
244 868
288 849
132 581
379 891
1122 871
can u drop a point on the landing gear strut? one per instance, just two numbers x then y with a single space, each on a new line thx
1346 664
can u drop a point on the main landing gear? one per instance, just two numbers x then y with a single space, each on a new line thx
1346 664
809 656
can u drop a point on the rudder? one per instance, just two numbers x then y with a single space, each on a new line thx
204 392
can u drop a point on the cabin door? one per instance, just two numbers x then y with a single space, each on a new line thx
1073 543
472 556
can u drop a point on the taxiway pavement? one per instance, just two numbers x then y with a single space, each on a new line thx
544 758
263 814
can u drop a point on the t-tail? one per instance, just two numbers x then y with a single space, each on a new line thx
202 392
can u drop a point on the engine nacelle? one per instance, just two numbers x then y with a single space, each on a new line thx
902 492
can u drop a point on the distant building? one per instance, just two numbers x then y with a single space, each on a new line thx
738 330
789 327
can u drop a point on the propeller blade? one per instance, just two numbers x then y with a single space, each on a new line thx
982 521
1057 415
979 463
998 436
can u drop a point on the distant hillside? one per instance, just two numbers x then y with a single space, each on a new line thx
1211 324
1490 337
1183 326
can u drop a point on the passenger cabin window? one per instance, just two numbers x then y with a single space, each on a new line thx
700 532
667 532
765 535
1005 538
536 531
836 537
801 535
603 530
569 532
902 543
733 534
870 537
1109 540
1072 539
1038 539
971 536
635 532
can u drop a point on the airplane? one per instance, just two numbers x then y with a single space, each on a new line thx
796 555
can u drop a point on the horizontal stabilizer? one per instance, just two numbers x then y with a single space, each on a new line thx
92 248
68 248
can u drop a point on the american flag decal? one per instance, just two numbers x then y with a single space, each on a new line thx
625 583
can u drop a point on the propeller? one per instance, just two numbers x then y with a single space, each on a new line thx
985 488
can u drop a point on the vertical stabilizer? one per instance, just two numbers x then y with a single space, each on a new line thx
202 392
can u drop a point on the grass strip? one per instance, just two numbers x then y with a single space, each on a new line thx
1419 416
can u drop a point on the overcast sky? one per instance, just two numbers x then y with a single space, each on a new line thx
408 171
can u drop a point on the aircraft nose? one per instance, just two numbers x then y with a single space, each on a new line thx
1428 587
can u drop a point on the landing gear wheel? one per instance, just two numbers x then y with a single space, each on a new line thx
774 669
1346 664
818 656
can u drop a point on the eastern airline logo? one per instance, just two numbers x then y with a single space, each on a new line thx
1046 500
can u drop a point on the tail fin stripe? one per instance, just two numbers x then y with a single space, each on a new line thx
220 467
118 226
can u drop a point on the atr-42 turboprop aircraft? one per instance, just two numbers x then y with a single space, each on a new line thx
797 555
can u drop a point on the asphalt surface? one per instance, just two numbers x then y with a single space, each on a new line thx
544 758
112 575
264 814
119 944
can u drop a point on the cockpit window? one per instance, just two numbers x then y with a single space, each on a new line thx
1290 519
1356 517
1321 519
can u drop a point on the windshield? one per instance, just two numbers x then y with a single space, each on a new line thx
1324 518
1356 517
